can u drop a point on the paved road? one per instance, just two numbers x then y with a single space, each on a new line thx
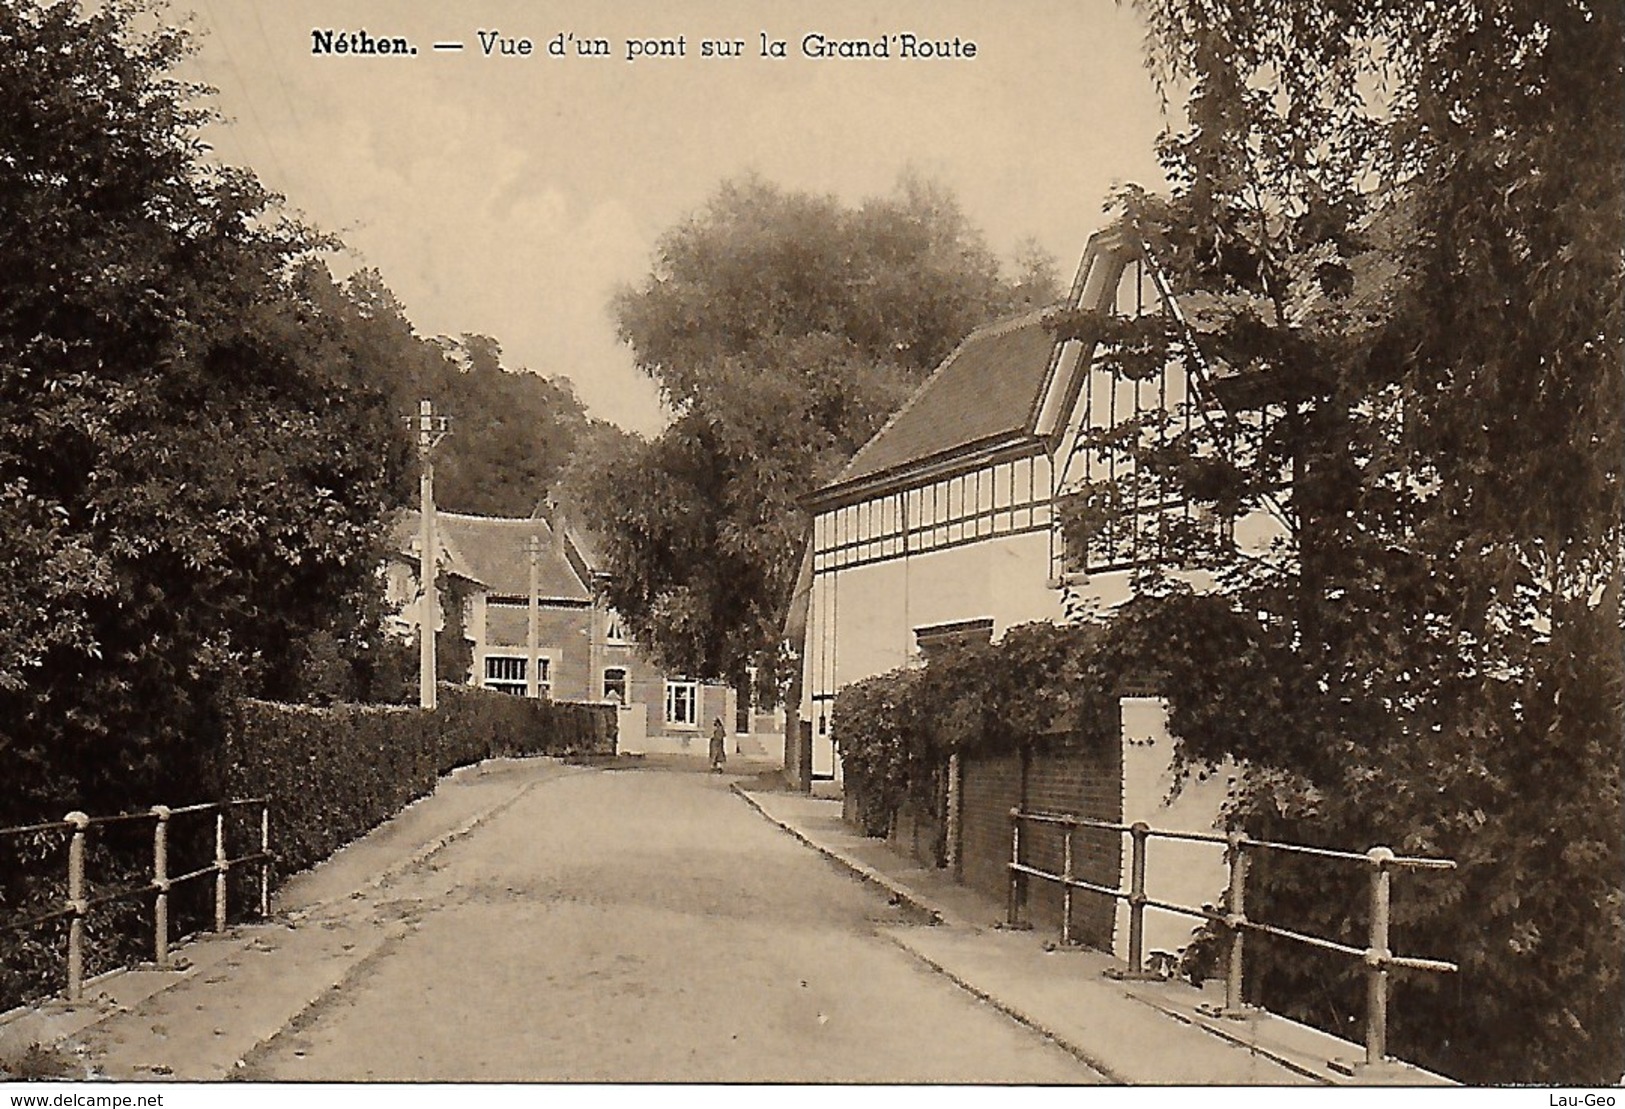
646 926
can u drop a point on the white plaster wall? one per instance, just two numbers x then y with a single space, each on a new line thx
770 744
824 762
400 584
1257 531
1103 592
873 607
1017 569
474 614
881 605
1177 871
877 608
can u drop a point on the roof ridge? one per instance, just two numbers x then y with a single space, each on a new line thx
481 518
491 550
1003 325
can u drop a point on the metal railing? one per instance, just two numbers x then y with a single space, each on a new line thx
1376 955
78 905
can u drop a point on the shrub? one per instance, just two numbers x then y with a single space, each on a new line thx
1040 686
874 724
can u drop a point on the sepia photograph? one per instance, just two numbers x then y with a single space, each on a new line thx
869 548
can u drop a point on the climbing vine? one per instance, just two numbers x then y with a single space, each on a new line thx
1039 686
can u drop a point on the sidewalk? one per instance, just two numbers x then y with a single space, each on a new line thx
226 993
1153 1033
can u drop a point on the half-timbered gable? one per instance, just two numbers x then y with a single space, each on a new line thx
952 515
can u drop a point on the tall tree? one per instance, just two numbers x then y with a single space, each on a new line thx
782 328
193 469
1401 234
513 430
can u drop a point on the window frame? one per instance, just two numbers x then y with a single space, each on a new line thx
675 687
517 681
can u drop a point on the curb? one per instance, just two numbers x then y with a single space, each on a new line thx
393 934
903 894
241 1068
1213 1028
424 853
897 891
74 1028
1080 1054
897 936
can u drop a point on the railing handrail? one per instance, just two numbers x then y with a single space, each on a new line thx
1377 957
42 826
138 814
1415 862
78 903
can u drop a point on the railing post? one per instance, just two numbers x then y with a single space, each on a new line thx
265 859
76 905
1066 887
1376 959
1235 918
160 884
1018 881
1010 914
220 868
1138 833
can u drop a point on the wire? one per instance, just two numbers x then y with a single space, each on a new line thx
242 84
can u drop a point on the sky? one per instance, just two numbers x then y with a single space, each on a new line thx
511 195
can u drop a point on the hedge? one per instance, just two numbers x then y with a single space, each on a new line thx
332 774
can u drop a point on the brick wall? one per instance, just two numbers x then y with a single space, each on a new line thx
562 635
1083 778
717 703
645 683
989 788
566 631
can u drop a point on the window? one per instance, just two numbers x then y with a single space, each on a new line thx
615 685
683 703
505 673
508 673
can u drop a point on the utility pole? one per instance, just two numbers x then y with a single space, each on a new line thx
533 620
431 430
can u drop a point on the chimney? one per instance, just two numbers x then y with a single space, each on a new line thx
555 520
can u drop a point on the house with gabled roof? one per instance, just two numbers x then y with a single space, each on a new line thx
504 562
940 523
946 525
536 627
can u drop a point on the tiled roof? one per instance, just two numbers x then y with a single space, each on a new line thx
986 390
494 550
587 545
509 626
795 618
404 542
584 547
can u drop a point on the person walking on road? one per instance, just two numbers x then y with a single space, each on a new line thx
719 746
